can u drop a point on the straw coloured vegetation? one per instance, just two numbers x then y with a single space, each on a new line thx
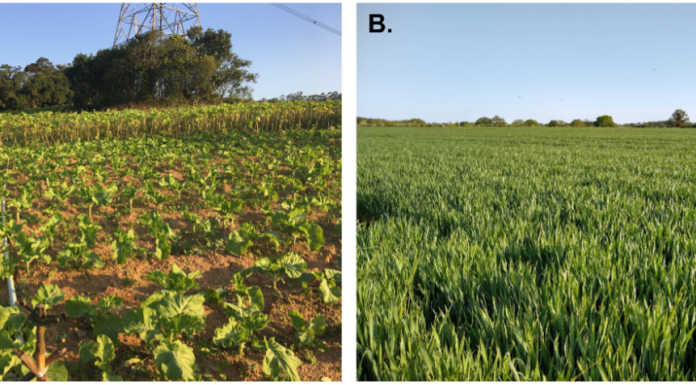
526 254
47 127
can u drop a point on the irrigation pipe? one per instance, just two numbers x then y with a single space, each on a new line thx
10 281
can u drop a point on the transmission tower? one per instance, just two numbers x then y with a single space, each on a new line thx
137 18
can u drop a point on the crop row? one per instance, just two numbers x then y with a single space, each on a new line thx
49 127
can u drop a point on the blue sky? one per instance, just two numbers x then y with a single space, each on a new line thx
288 53
456 62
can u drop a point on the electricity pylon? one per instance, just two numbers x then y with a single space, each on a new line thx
140 18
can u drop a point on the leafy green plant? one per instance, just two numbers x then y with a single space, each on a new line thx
128 193
239 241
215 297
173 184
280 363
88 230
124 246
243 322
102 352
60 194
79 253
48 295
308 331
177 280
329 291
290 264
97 195
22 202
30 249
222 206
295 221
99 315
50 228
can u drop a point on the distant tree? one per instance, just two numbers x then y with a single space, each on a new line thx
531 123
679 119
517 123
497 121
484 122
605 121
553 123
41 84
577 123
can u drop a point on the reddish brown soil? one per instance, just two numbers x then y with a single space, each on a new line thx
217 267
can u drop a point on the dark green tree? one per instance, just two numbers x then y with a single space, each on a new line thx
605 121
679 119
230 74
553 123
531 123
484 122
497 121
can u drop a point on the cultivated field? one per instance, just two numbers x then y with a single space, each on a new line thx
185 249
526 254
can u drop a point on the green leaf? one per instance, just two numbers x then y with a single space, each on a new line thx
57 372
6 340
102 350
153 301
237 244
177 280
216 297
107 303
7 267
318 325
183 324
315 236
274 237
230 334
297 320
91 259
256 296
144 322
294 265
11 318
175 360
329 295
280 364
172 304
122 252
110 326
7 361
256 321
48 295
79 307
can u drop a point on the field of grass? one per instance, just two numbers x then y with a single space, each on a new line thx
526 254
213 255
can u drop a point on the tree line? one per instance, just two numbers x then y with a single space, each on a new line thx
150 68
678 119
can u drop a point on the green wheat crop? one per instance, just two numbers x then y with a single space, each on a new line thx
526 254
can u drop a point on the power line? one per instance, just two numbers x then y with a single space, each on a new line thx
307 18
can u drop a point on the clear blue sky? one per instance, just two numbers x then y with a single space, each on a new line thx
456 62
288 53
